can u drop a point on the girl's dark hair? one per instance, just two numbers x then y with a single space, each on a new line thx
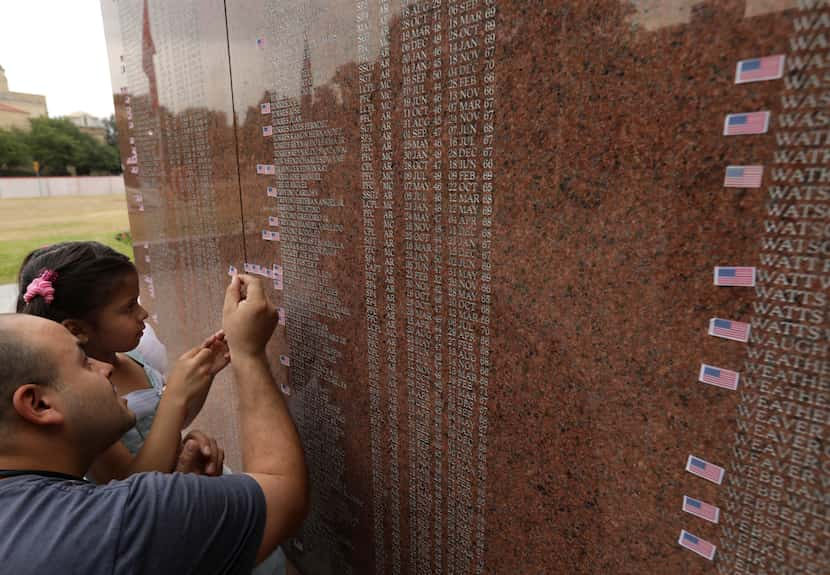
87 275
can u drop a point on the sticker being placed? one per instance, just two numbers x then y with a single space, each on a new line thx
696 544
760 69
718 376
704 469
728 329
701 509
743 176
734 276
746 123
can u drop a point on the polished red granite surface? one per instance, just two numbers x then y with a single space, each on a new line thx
493 227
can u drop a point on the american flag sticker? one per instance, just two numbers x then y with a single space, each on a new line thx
271 192
728 329
701 509
760 69
701 468
267 131
285 360
281 316
743 176
232 271
747 123
696 544
265 108
273 221
266 169
270 236
719 377
734 276
260 42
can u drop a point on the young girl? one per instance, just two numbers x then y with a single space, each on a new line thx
93 291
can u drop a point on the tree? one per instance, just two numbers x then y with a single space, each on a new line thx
14 153
112 131
61 148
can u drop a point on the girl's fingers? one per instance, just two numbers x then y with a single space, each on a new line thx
204 355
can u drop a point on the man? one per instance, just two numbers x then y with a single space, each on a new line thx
58 411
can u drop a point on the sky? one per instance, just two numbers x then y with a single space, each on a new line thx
57 48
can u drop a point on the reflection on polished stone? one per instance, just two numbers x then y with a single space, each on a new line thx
492 226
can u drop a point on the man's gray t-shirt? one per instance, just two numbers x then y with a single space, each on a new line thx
151 523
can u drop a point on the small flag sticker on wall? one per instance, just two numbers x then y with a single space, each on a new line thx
696 544
728 329
701 509
285 360
266 169
270 236
701 468
271 192
743 176
719 377
273 221
265 108
735 276
748 123
267 131
760 69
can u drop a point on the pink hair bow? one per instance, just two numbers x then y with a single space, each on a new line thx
42 286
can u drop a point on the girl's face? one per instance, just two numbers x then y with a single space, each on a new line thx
119 324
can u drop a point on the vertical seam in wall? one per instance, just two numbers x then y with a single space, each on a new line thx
235 136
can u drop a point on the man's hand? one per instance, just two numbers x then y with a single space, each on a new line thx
200 454
248 318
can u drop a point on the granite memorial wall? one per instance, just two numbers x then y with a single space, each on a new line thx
554 274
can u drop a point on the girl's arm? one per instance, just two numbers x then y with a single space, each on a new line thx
184 396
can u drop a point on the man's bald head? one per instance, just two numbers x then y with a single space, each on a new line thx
23 359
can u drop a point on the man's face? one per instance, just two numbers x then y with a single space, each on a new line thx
95 416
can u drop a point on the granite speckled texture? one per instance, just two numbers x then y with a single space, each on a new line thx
600 129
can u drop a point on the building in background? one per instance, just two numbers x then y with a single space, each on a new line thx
16 107
89 124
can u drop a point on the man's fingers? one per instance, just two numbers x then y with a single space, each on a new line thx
254 292
232 294
220 461
188 456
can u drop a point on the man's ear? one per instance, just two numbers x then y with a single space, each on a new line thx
77 328
35 404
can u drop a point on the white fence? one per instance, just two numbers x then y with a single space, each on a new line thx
61 186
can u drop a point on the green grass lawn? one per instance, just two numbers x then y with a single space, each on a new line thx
26 224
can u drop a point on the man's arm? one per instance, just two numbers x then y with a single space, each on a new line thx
271 449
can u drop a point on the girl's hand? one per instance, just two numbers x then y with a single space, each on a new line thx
219 346
192 376
200 454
